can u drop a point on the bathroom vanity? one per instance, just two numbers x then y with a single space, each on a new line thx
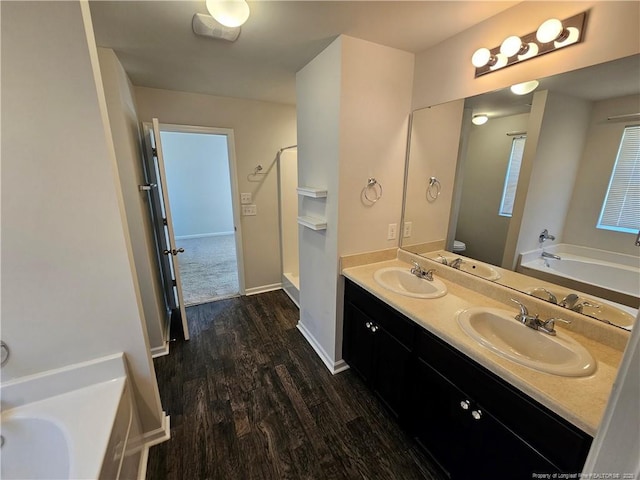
476 414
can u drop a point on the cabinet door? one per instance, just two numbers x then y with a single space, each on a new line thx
358 342
439 423
464 438
391 360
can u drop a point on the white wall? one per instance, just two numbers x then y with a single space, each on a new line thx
126 141
289 211
69 293
197 168
599 155
343 139
318 88
555 165
260 130
480 226
445 72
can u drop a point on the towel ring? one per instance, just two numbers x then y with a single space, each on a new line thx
434 188
372 183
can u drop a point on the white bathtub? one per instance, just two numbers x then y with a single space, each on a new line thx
605 274
69 423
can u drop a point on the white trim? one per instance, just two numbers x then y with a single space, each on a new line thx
263 289
334 367
291 291
160 351
144 459
159 435
202 235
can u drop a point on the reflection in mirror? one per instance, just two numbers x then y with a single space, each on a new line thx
531 186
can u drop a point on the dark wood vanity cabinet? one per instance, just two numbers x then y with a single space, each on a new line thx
470 421
377 345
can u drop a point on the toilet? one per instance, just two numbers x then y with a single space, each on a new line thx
459 246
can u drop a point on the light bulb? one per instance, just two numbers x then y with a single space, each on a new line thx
511 46
525 87
481 57
549 30
572 37
502 60
230 13
480 119
532 51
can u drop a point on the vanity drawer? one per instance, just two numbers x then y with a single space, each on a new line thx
398 326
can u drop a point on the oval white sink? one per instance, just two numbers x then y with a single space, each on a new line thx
500 332
402 281
476 268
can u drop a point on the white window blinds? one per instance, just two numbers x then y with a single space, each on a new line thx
621 206
511 178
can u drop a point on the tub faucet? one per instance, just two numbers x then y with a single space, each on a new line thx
550 255
419 272
545 235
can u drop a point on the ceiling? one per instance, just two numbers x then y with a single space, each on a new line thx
157 48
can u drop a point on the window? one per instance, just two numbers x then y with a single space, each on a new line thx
511 178
621 207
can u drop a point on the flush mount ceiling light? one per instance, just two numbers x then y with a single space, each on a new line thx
552 35
525 87
479 119
230 13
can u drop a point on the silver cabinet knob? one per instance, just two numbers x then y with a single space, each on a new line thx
374 328
477 414
368 325
465 404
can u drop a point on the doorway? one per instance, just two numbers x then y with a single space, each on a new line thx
200 176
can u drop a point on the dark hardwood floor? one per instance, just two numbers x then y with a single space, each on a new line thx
250 399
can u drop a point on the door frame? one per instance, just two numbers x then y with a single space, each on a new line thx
235 191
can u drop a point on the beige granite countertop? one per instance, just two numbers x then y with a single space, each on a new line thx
579 400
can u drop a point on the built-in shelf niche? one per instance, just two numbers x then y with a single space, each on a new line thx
313 223
312 192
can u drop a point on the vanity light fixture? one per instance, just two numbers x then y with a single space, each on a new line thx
479 119
230 13
551 35
525 87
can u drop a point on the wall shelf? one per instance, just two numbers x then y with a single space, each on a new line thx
312 192
313 223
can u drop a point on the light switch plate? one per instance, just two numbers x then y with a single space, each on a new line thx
245 198
249 210
407 230
392 231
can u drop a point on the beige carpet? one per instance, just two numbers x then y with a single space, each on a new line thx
208 268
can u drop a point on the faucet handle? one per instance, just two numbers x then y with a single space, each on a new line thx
523 309
549 325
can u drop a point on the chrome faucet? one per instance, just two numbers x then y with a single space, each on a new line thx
552 298
443 259
456 263
545 235
419 272
532 321
571 302
550 255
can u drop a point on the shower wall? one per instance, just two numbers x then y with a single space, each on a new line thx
288 181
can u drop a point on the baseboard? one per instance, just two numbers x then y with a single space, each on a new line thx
160 351
263 289
333 367
291 295
159 435
202 235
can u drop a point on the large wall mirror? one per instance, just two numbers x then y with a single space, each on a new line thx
546 194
